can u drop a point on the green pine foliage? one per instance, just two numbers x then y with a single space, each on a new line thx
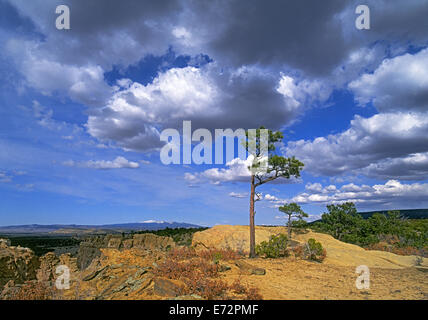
276 247
344 223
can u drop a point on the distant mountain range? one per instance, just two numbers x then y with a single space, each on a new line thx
62 229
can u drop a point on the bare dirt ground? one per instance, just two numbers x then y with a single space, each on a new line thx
287 279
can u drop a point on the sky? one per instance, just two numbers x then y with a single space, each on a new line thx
82 110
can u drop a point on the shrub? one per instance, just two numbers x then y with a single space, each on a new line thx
298 251
400 234
275 248
238 288
214 255
207 288
200 272
174 269
314 251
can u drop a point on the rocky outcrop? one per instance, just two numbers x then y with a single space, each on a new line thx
17 264
4 243
49 263
90 248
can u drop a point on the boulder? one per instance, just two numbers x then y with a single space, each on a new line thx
249 269
168 288
48 263
17 264
236 238
4 243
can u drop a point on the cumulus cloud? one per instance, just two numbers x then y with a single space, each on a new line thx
103 32
398 84
392 193
412 167
388 145
84 84
118 163
270 197
107 32
246 98
235 171
261 75
243 88
278 33
367 141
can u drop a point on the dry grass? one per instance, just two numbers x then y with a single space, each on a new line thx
200 271
33 290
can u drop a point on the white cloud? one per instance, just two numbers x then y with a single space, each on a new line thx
412 167
84 84
208 96
236 171
270 197
391 194
5 178
368 141
398 84
238 195
118 163
152 221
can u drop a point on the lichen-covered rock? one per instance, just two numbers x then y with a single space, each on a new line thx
249 269
4 243
168 288
152 242
90 248
49 263
17 264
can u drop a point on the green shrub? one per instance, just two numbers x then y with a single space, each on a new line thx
343 222
275 248
314 251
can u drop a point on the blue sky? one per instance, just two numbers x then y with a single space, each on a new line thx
81 110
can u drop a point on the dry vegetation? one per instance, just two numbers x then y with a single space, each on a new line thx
200 273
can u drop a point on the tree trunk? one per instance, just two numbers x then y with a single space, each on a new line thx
289 227
252 225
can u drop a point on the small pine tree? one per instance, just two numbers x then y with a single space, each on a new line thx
292 210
